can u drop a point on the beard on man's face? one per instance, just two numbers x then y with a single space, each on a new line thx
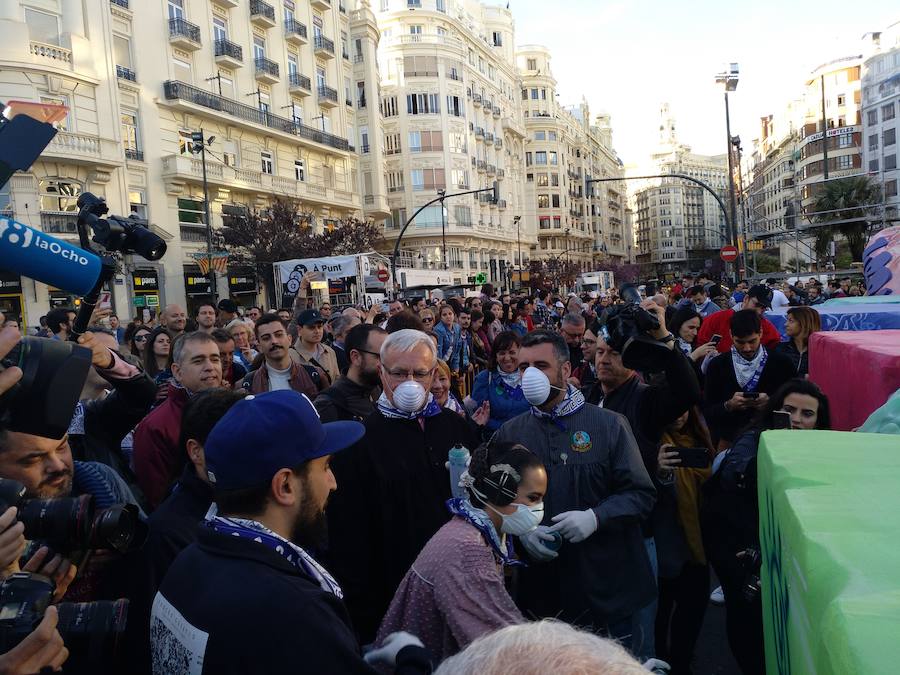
57 484
310 528
370 377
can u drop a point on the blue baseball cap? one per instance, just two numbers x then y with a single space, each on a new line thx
264 433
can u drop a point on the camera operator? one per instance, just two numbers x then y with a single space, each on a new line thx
649 409
103 418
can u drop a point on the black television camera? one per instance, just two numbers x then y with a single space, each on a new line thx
626 331
91 628
70 524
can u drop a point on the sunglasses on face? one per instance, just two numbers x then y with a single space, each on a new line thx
428 320
140 338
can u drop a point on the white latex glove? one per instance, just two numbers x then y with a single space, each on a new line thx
386 654
575 526
534 543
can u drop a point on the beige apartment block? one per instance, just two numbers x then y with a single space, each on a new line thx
679 226
275 89
453 122
576 222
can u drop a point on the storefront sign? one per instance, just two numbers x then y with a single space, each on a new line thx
10 282
831 133
241 280
196 284
145 280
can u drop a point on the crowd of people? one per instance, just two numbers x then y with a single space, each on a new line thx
598 499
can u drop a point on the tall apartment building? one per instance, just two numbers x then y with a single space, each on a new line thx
880 110
679 226
452 122
272 87
563 149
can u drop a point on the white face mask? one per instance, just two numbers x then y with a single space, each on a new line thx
409 396
536 386
522 521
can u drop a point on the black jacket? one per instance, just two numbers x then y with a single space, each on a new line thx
108 420
721 385
390 500
345 400
800 361
173 527
256 613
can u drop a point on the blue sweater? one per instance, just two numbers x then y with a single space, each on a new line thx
488 387
450 346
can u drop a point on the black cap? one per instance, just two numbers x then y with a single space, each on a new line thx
228 305
762 294
310 316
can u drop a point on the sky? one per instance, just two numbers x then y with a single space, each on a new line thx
628 56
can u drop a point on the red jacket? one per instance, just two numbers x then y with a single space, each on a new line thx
719 323
157 456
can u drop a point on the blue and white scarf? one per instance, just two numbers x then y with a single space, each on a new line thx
454 405
572 403
479 519
386 408
509 384
684 346
251 529
747 373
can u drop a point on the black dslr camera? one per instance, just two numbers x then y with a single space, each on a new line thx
625 331
72 523
92 628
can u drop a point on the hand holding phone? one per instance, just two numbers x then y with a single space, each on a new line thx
781 419
715 339
692 458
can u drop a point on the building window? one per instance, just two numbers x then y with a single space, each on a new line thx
440 5
137 203
462 215
299 170
423 104
552 156
455 106
259 48
425 141
873 166
361 95
130 139
540 135
42 27
557 223
191 212
266 163
542 180
555 201
415 29
497 38
872 117
389 106
524 94
888 112
391 144
395 181
428 179
460 178
890 188
873 141
554 179
531 64
176 9
529 177
220 29
890 162
62 125
889 137
543 201
364 142
534 94
528 159
540 158
229 153
185 144
420 66
551 135
544 222
845 141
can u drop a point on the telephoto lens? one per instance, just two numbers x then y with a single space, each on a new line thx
63 524
118 528
92 630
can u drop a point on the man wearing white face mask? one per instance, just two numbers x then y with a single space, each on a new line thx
394 482
599 492
454 592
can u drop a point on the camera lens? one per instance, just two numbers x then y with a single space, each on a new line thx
93 628
64 524
116 528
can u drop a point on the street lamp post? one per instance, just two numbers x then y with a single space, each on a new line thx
495 190
443 231
516 220
199 143
729 79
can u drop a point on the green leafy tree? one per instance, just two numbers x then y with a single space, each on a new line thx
849 200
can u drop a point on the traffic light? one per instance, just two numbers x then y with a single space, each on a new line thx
197 141
496 197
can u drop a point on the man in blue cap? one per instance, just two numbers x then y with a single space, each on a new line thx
246 597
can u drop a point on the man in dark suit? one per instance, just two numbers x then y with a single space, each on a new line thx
340 326
740 381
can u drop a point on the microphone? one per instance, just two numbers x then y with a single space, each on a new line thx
35 254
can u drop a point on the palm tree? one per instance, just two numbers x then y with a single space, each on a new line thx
849 200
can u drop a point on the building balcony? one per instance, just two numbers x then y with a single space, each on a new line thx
184 34
501 174
488 137
479 133
295 32
59 222
498 142
189 98
496 112
482 166
328 97
501 204
512 125
119 3
476 100
228 53
229 4
491 169
323 47
124 73
266 70
473 162
299 85
358 58
51 55
321 4
86 149
134 154
180 170
262 14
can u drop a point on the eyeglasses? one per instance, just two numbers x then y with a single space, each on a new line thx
417 375
140 338
427 319
366 351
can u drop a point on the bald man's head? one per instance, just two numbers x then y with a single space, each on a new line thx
173 318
